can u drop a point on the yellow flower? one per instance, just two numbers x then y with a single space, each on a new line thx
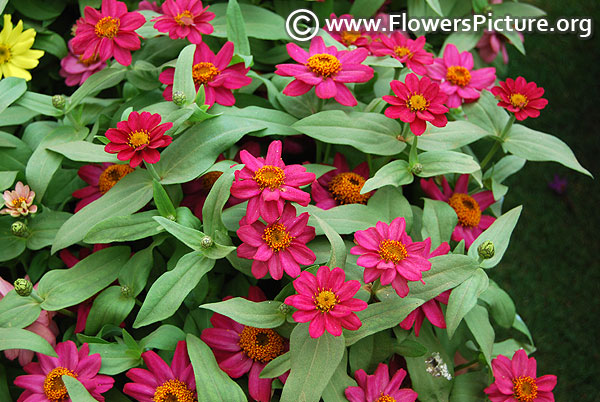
16 55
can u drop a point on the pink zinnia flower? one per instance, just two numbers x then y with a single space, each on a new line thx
341 186
137 138
214 72
520 97
161 382
185 19
326 300
238 352
492 43
107 33
407 51
100 178
516 380
19 201
279 246
417 102
147 5
325 68
468 208
43 382
268 183
379 387
43 326
76 69
458 79
358 38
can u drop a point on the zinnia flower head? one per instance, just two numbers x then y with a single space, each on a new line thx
161 382
137 138
19 201
214 72
516 380
278 246
389 254
325 68
341 186
468 208
43 381
492 43
520 97
458 79
16 54
185 19
241 349
100 178
108 32
268 183
379 387
326 300
409 52
417 102
76 69
358 38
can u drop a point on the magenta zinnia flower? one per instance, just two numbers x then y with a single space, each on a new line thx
19 201
137 138
520 97
409 52
492 43
379 387
241 349
75 69
43 382
516 380
147 5
468 208
358 38
161 382
268 183
185 19
417 102
214 72
107 33
325 68
341 186
458 79
326 300
100 179
279 246
389 254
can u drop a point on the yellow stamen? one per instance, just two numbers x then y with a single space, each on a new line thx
349 37
112 175
385 398
392 250
261 344
184 18
325 300
54 387
4 54
269 176
519 100
324 65
466 208
402 51
139 138
174 391
277 237
345 188
525 389
209 179
204 72
417 102
19 202
89 61
107 27
458 75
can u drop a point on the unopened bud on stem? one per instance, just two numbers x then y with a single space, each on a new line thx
486 249
23 287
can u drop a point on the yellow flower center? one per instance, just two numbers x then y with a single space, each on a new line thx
392 250
204 72
261 344
269 176
209 179
345 188
525 389
325 300
519 100
4 54
112 175
139 138
324 65
349 37
107 27
466 208
17 202
184 18
385 398
458 75
417 102
54 387
89 61
174 391
402 51
277 237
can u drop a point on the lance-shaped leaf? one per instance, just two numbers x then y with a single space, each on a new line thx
463 298
16 338
264 314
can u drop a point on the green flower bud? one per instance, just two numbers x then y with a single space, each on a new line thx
59 101
284 309
179 98
126 291
486 249
19 229
23 287
416 168
206 242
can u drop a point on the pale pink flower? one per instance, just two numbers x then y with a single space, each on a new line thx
19 201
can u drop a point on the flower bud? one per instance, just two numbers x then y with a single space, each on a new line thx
59 101
206 242
416 168
284 309
23 287
19 229
486 249
126 291
179 98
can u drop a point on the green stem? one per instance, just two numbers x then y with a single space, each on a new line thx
66 312
35 296
498 143
413 156
152 171
465 365
327 152
320 104
370 162
318 151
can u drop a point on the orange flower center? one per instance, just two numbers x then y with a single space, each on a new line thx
519 100
466 208
345 188
107 27
324 65
174 391
184 18
204 72
392 250
139 138
54 387
349 37
385 398
417 102
19 202
525 389
402 51
458 75
325 300
261 344
4 54
269 176
277 237
112 175
89 61
209 179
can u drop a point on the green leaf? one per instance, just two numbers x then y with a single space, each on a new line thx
486 114
454 135
388 203
236 28
163 202
463 298
344 219
314 361
396 173
15 115
500 305
83 151
505 167
39 103
264 314
259 22
468 387
410 348
521 9
52 43
184 81
116 357
212 210
12 246
124 228
77 392
276 367
439 220
464 41
164 337
437 163
44 228
40 10
276 121
435 6
11 89
365 8
7 179
479 324
107 78
335 389
338 248
17 311
134 273
212 383
110 307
